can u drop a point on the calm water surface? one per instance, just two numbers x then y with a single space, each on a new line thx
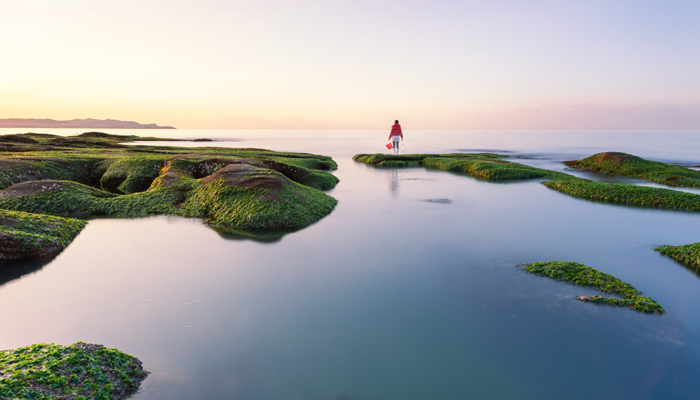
410 289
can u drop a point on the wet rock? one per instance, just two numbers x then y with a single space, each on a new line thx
32 187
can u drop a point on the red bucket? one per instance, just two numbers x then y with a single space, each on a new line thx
389 146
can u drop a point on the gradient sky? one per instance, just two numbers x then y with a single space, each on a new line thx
355 64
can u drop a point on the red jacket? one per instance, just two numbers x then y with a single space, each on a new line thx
395 131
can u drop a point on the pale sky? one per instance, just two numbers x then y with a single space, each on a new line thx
355 64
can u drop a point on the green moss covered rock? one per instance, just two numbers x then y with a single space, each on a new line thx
582 275
24 235
78 372
687 254
631 195
485 166
248 198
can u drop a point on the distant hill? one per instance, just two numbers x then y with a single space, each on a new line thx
76 123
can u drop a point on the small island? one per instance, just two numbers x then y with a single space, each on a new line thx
81 371
51 184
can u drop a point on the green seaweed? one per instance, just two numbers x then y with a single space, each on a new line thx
391 161
26 233
687 254
629 165
630 195
489 169
76 200
484 166
582 275
80 371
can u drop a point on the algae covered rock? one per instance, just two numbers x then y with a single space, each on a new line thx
25 235
484 166
630 195
247 198
71 199
78 372
582 275
687 254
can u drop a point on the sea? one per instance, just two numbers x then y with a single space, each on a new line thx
412 288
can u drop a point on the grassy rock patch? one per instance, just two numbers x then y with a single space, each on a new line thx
78 372
687 254
623 164
248 198
75 200
391 161
631 195
485 166
25 235
579 274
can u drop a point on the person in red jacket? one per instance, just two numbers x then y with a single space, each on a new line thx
395 135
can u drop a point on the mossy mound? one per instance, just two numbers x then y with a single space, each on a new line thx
579 274
249 191
25 235
687 254
628 165
78 372
269 203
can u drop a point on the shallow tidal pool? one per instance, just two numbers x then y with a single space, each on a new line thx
410 289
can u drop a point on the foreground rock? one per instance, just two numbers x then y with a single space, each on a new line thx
80 371
244 192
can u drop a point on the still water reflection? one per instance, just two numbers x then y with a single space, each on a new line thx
409 290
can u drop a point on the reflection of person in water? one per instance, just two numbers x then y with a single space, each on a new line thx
395 135
394 182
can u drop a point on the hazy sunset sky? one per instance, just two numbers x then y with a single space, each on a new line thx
355 64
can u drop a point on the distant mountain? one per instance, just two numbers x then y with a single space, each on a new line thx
76 123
